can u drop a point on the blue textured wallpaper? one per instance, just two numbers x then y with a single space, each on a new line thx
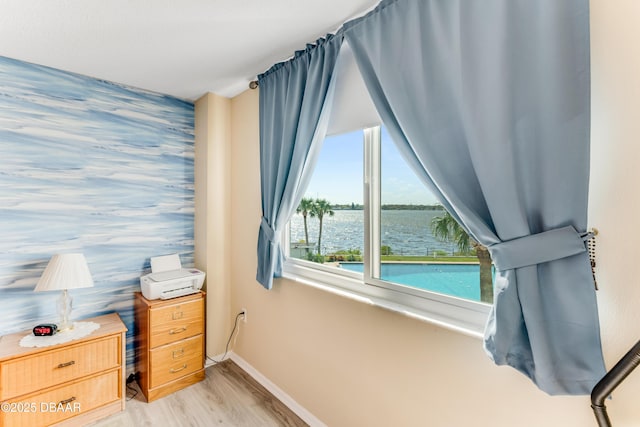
88 166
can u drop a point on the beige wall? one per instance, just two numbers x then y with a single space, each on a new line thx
615 186
213 212
355 365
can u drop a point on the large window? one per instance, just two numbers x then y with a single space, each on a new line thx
368 218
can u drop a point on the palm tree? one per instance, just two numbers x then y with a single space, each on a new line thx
305 208
447 229
319 209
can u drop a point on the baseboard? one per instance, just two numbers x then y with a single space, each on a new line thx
298 409
212 360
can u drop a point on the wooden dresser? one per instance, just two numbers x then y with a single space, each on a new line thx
170 343
73 383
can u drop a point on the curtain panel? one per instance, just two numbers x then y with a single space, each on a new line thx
295 104
488 102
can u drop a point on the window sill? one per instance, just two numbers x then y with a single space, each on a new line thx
462 316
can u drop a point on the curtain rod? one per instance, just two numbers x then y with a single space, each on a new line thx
253 84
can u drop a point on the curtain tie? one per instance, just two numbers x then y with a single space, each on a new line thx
269 231
537 248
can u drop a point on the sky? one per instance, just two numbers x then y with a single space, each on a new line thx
338 174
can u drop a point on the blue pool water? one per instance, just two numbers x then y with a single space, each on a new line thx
459 280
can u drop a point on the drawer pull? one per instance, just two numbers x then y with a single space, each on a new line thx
177 331
64 365
69 400
173 371
178 353
177 315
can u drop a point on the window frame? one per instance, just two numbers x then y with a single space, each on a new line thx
458 314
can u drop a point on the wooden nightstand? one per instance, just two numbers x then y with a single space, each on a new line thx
73 383
169 343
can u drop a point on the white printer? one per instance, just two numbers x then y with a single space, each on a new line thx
169 280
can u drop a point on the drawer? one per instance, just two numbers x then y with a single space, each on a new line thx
175 322
176 360
30 373
62 402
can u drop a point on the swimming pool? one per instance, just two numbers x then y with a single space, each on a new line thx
459 280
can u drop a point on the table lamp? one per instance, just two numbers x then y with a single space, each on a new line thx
65 271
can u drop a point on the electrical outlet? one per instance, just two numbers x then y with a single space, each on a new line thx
244 316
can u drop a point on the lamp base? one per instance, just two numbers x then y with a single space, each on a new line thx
65 303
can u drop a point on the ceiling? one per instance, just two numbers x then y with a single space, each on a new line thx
183 48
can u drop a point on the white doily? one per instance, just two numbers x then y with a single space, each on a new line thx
80 329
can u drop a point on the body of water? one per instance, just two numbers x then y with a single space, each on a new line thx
407 232
459 280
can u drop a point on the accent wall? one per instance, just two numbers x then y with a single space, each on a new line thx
89 166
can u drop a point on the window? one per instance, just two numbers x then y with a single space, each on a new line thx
369 225
337 180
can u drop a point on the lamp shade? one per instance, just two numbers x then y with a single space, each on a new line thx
65 271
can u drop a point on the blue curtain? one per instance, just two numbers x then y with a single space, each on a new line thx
295 102
489 103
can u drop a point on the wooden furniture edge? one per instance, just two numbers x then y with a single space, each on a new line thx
10 344
175 385
165 302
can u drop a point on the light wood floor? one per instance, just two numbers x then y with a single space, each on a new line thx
227 397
